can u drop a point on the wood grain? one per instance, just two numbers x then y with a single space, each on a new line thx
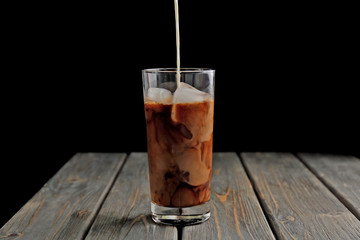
125 213
298 205
67 204
341 174
236 212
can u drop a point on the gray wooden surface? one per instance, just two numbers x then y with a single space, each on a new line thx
126 211
341 174
67 205
298 205
104 196
236 213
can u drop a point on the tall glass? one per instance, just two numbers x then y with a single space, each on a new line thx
179 112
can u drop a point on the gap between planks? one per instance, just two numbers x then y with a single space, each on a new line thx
276 219
328 186
106 195
234 200
67 204
180 230
126 212
257 196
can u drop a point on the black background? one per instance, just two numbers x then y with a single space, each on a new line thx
285 79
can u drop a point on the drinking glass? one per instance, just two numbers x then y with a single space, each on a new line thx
179 113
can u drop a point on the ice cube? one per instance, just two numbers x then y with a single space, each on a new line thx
171 86
188 94
190 162
160 95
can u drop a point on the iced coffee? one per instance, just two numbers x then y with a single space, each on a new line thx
179 113
179 136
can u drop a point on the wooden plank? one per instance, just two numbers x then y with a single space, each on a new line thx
67 204
298 205
236 212
341 174
125 213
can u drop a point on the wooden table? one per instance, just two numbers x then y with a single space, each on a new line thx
254 196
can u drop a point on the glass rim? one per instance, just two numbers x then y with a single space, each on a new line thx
182 70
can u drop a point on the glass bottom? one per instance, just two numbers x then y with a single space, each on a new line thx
180 216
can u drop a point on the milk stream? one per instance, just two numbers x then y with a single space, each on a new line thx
177 43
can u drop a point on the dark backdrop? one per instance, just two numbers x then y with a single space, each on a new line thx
72 79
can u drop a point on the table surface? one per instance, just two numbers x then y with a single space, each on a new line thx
254 196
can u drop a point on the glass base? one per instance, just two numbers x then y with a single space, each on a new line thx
180 216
